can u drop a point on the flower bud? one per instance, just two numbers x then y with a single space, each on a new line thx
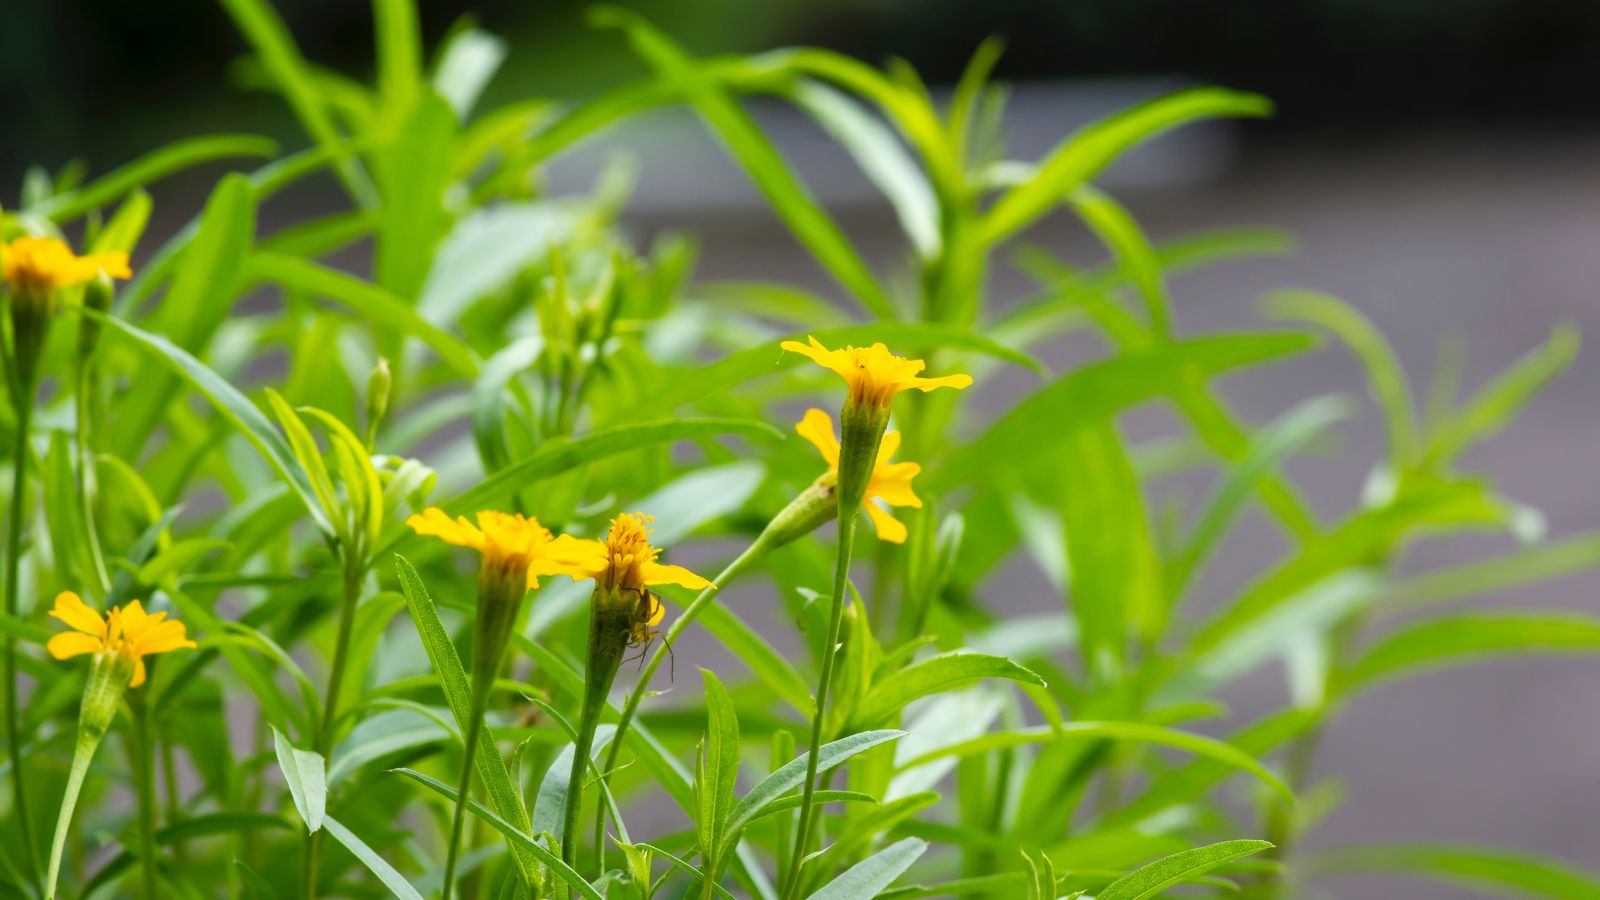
97 297
378 386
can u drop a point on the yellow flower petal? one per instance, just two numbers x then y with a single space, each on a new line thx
71 609
889 528
138 673
68 644
816 426
656 573
658 611
874 374
457 531
892 484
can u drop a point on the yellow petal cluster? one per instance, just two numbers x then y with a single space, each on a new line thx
509 543
42 264
625 560
127 631
874 375
890 481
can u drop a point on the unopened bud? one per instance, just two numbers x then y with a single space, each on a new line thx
378 386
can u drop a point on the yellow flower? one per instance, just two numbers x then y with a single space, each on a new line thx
41 264
873 373
624 561
513 546
890 482
129 632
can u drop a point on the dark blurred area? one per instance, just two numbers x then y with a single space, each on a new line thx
106 79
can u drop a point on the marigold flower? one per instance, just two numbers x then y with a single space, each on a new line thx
624 560
128 632
873 373
512 545
890 481
40 264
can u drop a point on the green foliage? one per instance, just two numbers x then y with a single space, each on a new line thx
258 419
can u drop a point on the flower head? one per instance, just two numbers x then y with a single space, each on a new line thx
128 632
890 481
873 373
42 264
513 546
625 560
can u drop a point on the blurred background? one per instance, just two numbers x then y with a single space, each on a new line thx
1438 162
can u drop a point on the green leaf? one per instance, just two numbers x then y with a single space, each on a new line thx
1480 868
503 792
1153 878
946 672
378 307
157 164
1083 155
380 867
1463 639
512 833
1141 732
881 156
466 63
304 774
206 283
719 764
747 144
399 49
1384 373
866 879
293 76
1499 401
557 457
1032 427
412 171
233 406
789 775
1132 251
1498 573
1115 570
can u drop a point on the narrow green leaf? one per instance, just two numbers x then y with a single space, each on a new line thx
789 775
1479 868
1140 732
412 171
157 164
466 63
512 833
1083 155
1153 878
377 306
719 761
1463 639
946 672
503 792
866 879
233 406
377 865
557 457
303 772
1031 427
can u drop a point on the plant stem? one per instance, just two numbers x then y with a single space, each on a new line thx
144 786
841 577
608 640
353 574
83 400
757 549
22 395
101 693
480 701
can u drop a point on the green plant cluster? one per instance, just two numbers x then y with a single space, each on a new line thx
248 468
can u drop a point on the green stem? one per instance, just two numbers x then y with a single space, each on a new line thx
353 574
841 577
757 549
608 640
22 395
101 693
144 785
83 399
480 701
